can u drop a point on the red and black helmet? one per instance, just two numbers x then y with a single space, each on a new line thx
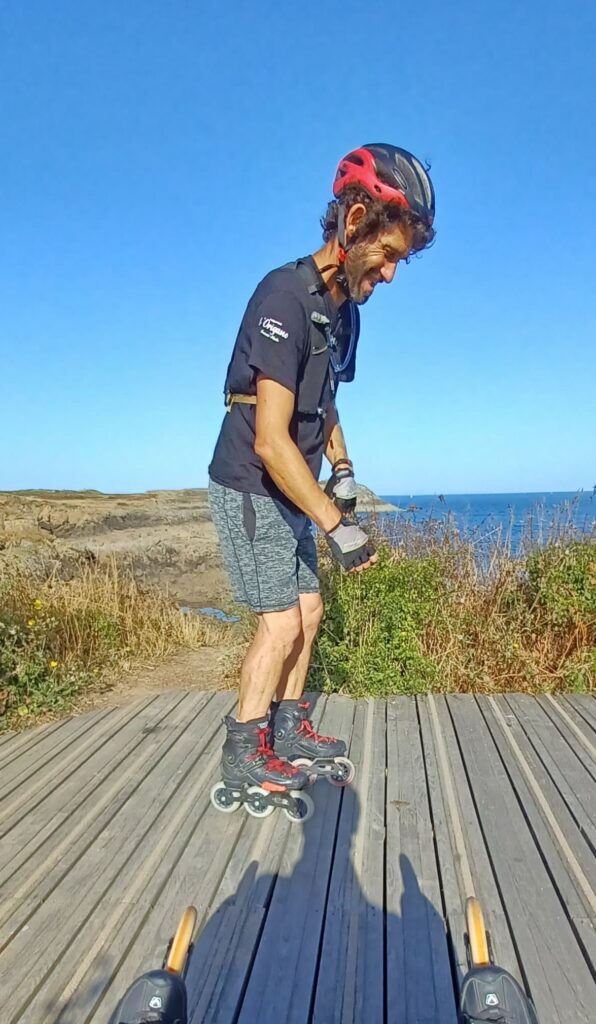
390 174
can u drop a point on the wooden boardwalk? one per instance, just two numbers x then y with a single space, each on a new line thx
357 916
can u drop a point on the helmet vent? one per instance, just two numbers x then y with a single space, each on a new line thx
391 174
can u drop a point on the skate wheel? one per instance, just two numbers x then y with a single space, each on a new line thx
178 951
223 799
344 772
477 936
305 806
305 762
256 805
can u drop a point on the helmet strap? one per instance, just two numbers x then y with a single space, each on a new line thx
341 229
342 250
342 253
342 281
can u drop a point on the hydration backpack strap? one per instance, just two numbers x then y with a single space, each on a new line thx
321 323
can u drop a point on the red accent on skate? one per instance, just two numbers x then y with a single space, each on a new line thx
306 726
273 762
272 787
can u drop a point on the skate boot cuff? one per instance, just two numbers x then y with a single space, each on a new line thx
253 723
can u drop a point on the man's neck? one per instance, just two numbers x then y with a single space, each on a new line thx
327 260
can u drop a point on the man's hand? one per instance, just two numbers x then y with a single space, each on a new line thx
341 487
351 547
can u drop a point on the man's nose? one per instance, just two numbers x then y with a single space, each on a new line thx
388 271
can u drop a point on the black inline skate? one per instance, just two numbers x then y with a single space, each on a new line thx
489 993
295 739
253 775
492 994
159 997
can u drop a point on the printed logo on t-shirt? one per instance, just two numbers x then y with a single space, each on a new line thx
272 329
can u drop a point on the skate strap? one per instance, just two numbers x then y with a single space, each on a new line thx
306 726
265 750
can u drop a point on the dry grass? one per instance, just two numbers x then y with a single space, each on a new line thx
60 635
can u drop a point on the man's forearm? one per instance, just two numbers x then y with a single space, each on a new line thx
288 470
336 444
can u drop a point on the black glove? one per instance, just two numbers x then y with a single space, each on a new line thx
349 545
341 486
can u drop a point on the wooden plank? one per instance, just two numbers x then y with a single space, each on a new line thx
29 795
143 836
7 737
36 875
282 977
584 751
584 705
61 812
203 864
570 784
25 742
234 922
419 983
194 860
351 981
15 742
558 977
576 723
570 893
293 916
233 901
454 887
452 894
20 771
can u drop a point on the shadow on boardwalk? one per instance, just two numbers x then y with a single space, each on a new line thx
340 932
298 949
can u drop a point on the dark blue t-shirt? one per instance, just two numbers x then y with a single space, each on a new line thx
273 340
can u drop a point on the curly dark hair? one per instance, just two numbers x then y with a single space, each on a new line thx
378 217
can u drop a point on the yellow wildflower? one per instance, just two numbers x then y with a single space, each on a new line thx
31 622
38 603
53 664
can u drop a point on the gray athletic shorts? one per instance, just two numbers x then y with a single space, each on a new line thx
269 552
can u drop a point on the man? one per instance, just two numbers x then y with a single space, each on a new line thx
296 343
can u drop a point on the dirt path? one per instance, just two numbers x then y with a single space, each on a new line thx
210 668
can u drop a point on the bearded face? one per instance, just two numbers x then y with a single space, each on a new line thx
362 273
374 261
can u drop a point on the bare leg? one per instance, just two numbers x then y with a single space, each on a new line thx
276 645
293 676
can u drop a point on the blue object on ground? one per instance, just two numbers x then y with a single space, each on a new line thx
215 613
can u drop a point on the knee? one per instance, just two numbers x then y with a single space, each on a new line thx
311 616
284 629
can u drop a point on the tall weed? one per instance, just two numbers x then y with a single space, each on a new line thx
58 636
441 612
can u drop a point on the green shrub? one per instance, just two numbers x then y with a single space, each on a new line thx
432 615
370 641
562 582
32 680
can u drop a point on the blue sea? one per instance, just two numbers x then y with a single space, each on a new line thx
533 517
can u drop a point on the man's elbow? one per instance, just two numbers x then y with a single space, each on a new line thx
268 449
264 449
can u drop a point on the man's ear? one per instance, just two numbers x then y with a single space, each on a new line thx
353 218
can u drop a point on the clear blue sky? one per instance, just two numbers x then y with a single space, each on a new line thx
158 157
